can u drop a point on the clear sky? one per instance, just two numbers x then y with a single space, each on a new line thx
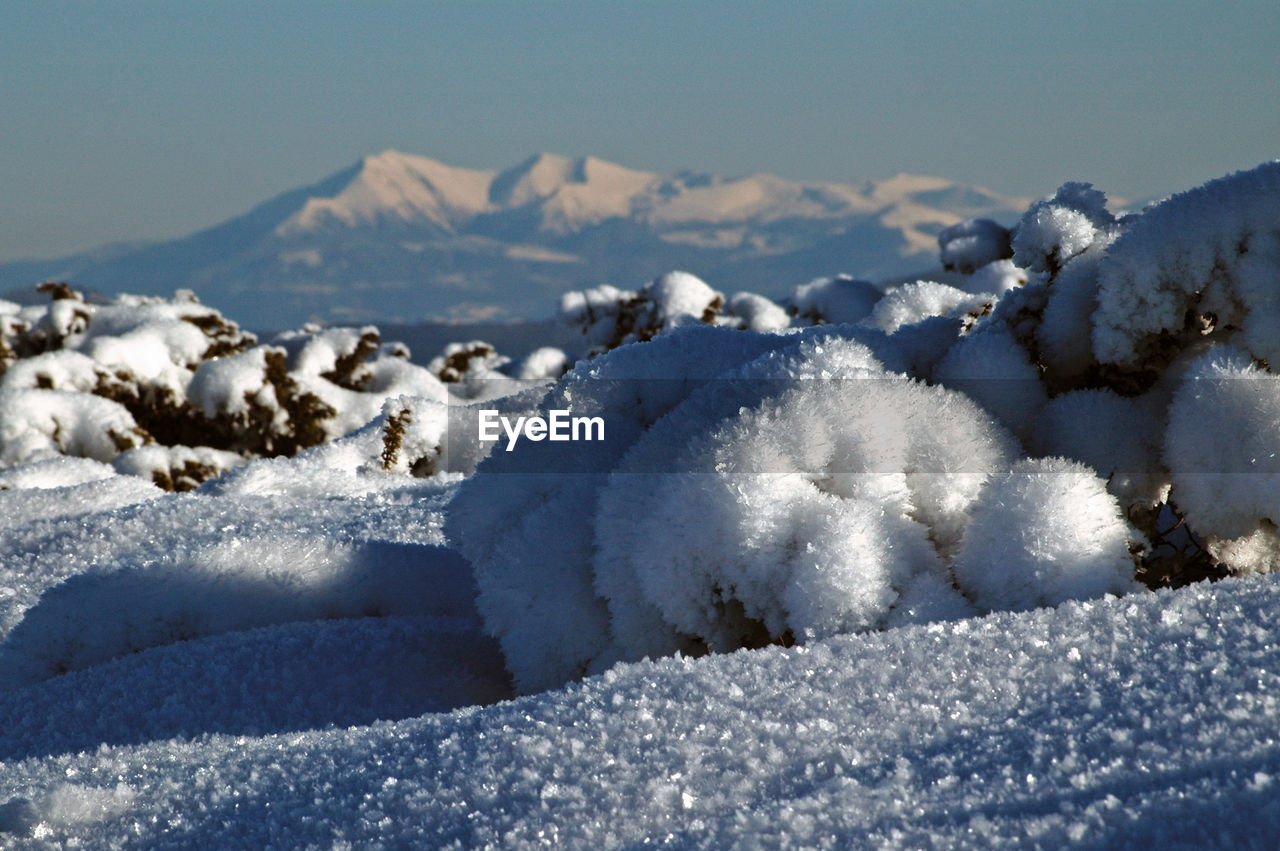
142 120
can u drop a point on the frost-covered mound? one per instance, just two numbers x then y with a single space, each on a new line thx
1144 346
972 244
607 317
100 580
1202 261
1044 532
811 497
522 518
752 489
838 300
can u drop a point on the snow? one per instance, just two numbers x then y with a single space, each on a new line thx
519 518
837 300
1058 228
972 244
608 317
234 384
997 277
1118 722
397 187
227 588
715 545
63 369
1211 251
40 424
1227 487
1042 533
911 303
753 312
1119 438
809 590
542 363
1067 323
989 367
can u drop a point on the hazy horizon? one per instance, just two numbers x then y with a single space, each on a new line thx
152 121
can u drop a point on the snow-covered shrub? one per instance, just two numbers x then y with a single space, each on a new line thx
996 278
197 393
1223 451
1048 310
972 244
1154 334
423 437
752 312
838 301
11 330
620 540
1042 533
546 362
352 372
39 424
459 361
1063 335
1206 261
66 317
475 372
810 512
338 355
412 435
678 298
256 407
608 317
1120 438
176 468
914 302
1060 227
523 518
61 369
991 368
562 550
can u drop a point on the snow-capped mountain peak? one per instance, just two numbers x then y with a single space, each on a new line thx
570 192
392 186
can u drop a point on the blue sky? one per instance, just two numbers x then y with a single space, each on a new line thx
146 120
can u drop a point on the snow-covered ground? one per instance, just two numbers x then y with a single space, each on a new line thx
871 584
1149 719
245 722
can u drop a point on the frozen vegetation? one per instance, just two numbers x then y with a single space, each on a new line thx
889 565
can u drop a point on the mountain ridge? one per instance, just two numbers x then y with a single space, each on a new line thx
399 237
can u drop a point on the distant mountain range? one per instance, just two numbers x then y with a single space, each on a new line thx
402 238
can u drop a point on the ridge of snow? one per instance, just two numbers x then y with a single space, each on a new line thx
573 192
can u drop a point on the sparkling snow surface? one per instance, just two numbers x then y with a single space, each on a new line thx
1143 720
